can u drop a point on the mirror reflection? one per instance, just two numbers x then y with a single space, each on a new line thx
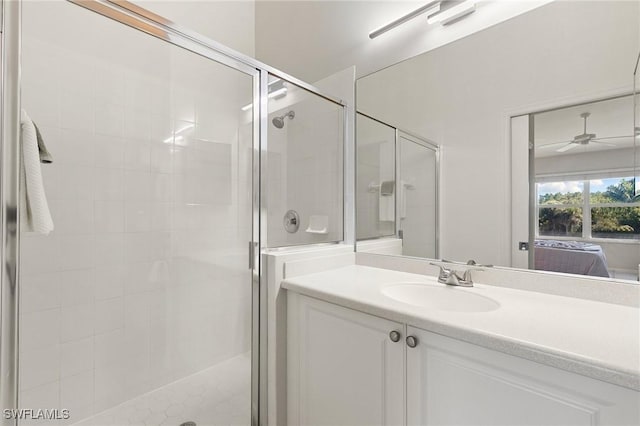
587 212
397 189
534 128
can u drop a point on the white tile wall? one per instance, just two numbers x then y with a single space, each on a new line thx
144 279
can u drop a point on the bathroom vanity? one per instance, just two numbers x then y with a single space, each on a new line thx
370 346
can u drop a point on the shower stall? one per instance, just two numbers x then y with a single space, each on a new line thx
146 303
397 187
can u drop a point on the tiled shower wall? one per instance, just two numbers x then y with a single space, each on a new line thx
144 279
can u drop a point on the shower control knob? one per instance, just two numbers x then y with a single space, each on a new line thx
412 341
291 221
394 336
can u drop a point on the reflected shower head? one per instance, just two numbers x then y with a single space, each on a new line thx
279 121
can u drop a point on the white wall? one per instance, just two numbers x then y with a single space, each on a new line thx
230 22
461 96
144 279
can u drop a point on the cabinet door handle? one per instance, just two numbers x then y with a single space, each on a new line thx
394 336
412 341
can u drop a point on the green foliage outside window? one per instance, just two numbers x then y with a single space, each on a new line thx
606 222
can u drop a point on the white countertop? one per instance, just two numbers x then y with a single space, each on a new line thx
595 339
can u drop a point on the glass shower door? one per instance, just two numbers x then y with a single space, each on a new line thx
305 157
137 307
418 197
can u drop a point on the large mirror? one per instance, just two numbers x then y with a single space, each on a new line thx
636 123
520 145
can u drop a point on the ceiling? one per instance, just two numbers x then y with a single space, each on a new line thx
314 39
611 118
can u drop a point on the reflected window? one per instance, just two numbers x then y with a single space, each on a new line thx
605 207
560 208
615 208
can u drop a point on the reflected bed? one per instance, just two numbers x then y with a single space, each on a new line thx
571 257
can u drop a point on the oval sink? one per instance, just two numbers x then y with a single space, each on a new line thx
445 298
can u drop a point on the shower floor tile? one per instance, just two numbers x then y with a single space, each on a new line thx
219 395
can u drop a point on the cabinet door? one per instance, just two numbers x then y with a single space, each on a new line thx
342 366
450 382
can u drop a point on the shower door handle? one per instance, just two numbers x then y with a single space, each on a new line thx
252 253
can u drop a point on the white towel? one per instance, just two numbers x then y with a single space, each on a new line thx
35 215
403 199
387 207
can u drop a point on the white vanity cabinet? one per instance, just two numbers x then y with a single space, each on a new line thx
342 366
344 369
450 382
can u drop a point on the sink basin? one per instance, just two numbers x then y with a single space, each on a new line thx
445 298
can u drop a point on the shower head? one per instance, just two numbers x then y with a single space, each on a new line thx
279 121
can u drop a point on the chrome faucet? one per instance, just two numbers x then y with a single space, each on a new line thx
449 276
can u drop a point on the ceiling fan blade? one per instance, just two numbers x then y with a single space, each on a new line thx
612 137
602 143
552 145
567 147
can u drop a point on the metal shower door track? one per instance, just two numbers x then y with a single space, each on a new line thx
9 186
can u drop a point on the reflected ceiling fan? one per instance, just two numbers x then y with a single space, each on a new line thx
583 139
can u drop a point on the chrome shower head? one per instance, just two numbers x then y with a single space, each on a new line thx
279 121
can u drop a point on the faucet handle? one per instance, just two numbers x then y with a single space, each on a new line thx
457 278
466 277
444 273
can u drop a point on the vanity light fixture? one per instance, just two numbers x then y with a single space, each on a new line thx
453 13
428 9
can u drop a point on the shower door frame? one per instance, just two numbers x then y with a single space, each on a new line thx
143 20
9 187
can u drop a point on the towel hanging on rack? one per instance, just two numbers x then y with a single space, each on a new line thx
386 202
35 215
43 152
